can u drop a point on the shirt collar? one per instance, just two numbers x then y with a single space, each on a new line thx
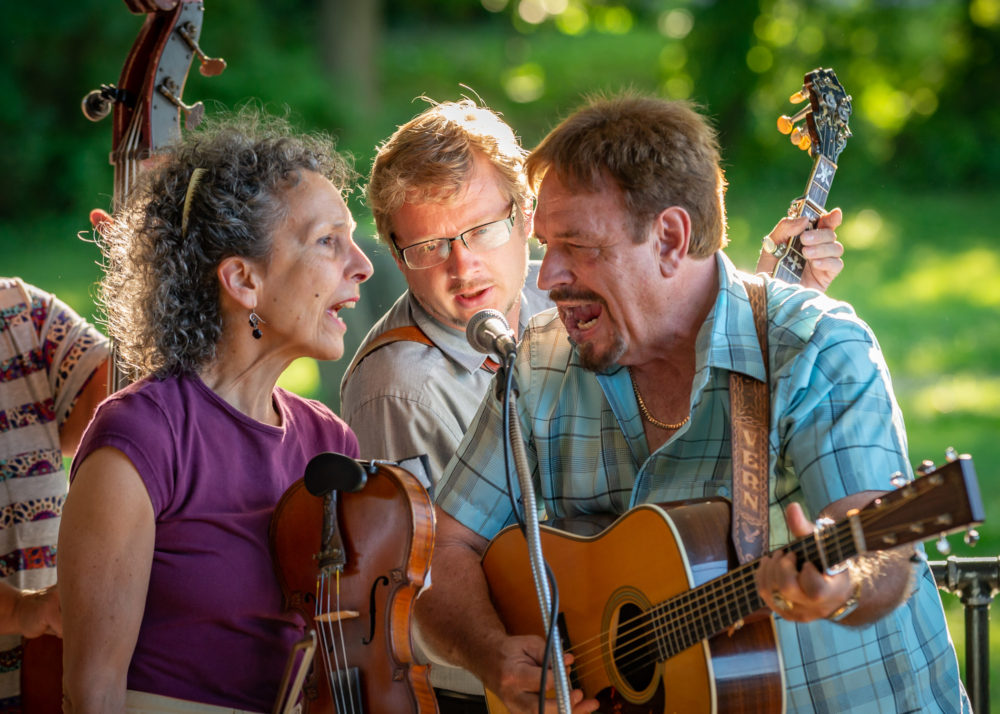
453 342
728 339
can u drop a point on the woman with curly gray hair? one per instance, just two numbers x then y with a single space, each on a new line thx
231 259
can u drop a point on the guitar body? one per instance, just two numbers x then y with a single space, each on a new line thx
388 536
647 556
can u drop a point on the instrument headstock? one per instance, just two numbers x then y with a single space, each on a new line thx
826 130
146 102
942 500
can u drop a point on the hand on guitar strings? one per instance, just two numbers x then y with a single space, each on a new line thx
820 248
800 595
520 675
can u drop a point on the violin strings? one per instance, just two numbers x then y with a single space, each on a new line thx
343 646
323 605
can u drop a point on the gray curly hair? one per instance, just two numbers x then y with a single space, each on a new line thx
160 292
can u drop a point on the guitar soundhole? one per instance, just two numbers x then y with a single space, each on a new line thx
634 650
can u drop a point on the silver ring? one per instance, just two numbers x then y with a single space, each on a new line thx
780 602
771 248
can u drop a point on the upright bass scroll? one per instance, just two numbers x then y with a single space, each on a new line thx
351 544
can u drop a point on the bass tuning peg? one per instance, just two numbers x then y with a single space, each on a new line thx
193 113
971 537
210 66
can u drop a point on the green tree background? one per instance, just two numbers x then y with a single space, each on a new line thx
918 180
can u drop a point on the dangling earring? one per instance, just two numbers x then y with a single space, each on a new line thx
254 323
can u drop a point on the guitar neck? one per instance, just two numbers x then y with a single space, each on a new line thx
811 205
722 603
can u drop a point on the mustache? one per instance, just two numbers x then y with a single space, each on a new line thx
562 294
465 286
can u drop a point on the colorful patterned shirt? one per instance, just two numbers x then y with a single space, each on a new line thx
835 430
47 355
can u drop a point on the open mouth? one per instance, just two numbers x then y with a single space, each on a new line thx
335 309
471 297
580 319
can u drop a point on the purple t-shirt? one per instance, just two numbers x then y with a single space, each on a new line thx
213 630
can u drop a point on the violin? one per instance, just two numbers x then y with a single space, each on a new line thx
147 107
352 543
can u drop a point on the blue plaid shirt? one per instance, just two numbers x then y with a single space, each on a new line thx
835 430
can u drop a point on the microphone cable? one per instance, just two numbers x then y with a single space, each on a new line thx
508 371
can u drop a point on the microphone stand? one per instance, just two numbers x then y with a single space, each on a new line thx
533 537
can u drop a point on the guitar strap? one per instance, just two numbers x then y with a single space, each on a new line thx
750 406
407 333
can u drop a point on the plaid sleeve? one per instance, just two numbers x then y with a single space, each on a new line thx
841 430
474 487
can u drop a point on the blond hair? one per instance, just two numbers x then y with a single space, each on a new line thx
429 159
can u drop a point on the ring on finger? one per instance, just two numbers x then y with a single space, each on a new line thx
771 248
780 602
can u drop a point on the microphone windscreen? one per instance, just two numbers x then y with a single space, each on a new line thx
477 332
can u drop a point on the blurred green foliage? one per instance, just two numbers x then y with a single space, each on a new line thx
917 181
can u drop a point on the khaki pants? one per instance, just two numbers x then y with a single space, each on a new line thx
146 703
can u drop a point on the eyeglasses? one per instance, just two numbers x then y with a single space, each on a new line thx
428 253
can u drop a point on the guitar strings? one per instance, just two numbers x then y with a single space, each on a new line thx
698 604
841 535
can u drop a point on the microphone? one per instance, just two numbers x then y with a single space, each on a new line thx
489 333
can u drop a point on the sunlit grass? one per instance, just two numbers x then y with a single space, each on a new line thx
940 273
302 377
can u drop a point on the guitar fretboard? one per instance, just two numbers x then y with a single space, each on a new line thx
719 604
791 265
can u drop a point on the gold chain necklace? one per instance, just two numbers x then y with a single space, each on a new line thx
649 417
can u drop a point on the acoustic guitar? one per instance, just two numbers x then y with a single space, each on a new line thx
660 619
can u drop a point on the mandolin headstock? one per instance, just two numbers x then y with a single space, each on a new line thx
826 130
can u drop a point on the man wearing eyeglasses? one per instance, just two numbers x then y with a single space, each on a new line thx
450 198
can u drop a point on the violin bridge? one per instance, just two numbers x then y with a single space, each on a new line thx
336 616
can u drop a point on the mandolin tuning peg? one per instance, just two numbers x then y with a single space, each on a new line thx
971 537
799 97
210 66
785 124
800 139
898 480
950 454
943 546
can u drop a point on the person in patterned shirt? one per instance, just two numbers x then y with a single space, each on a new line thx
53 374
624 400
